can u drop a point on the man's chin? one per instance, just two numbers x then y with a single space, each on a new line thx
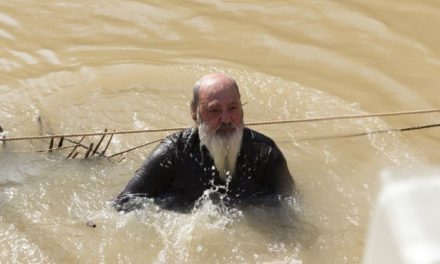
225 132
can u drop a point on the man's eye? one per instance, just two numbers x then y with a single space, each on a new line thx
215 110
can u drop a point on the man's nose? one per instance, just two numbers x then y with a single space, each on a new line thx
225 118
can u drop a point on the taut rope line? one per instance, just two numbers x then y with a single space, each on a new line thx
247 124
402 129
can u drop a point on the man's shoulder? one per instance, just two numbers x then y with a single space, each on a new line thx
175 143
180 139
181 135
257 137
258 143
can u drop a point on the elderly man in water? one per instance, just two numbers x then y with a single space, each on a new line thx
218 157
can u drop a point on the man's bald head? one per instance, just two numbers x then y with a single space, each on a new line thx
211 82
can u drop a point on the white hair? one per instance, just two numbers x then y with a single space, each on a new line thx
223 149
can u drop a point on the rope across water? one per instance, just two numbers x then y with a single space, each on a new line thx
316 119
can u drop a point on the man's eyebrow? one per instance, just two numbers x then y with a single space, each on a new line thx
213 105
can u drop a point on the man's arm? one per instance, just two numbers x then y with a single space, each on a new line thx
278 177
152 178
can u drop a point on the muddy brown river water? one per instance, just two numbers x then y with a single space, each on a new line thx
83 66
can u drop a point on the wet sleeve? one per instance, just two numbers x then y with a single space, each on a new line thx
278 177
153 177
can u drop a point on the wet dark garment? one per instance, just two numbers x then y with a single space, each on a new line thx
178 172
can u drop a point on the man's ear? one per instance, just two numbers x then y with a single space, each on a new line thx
194 113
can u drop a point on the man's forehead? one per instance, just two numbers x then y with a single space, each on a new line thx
223 101
218 88
219 95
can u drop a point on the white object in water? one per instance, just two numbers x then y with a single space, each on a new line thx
405 226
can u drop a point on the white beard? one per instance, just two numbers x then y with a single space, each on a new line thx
224 149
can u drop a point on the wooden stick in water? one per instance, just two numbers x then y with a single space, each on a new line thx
60 144
83 146
51 144
2 136
88 151
47 150
131 149
76 146
99 143
108 143
76 143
